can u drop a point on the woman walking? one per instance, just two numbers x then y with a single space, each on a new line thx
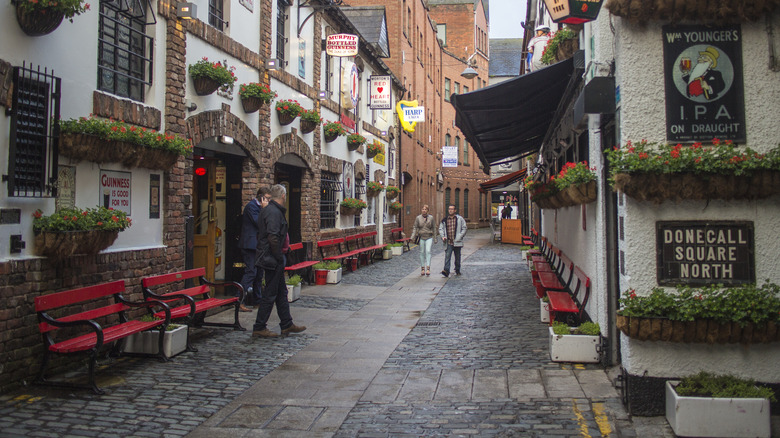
424 228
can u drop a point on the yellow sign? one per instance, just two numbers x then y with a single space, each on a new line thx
379 159
399 108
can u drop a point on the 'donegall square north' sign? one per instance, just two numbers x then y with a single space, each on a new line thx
699 253
705 96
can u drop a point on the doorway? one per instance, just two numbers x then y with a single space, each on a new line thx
290 177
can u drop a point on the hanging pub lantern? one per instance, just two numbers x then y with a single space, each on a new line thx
573 11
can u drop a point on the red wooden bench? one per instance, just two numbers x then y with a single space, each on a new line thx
187 307
354 245
328 245
571 303
400 238
298 263
87 334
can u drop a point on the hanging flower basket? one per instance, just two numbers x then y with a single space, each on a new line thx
332 130
658 188
205 86
284 118
93 148
349 211
308 126
59 245
251 104
38 22
582 194
330 137
353 146
392 192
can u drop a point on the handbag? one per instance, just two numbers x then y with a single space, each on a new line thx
417 239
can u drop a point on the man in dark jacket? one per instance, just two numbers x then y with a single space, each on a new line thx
271 234
248 244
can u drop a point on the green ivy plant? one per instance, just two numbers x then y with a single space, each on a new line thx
705 384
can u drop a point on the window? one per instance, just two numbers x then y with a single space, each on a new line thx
457 146
465 203
466 153
281 31
441 33
31 160
457 200
327 75
329 187
359 189
124 51
447 198
447 139
465 89
457 88
447 89
216 14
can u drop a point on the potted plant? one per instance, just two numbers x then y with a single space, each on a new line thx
396 248
387 252
208 76
374 188
561 46
658 172
334 272
395 207
253 95
354 141
544 309
352 206
309 120
293 288
41 17
320 273
740 314
374 148
576 184
174 340
707 405
392 192
287 110
333 130
575 344
110 141
71 231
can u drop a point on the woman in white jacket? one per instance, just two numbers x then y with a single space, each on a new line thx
424 227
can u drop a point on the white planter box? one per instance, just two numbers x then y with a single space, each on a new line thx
174 342
717 417
574 348
293 292
397 250
545 311
334 277
387 254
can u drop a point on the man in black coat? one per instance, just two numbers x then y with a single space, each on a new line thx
248 244
271 234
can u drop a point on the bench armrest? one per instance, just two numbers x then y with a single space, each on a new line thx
83 322
224 285
153 297
150 303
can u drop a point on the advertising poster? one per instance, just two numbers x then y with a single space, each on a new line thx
115 190
380 98
449 156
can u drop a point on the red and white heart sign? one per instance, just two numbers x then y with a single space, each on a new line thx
380 97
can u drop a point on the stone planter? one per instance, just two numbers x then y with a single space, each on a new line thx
545 311
574 348
252 104
174 342
308 126
59 245
397 250
334 276
387 254
38 23
205 86
284 118
717 417
699 331
689 186
293 292
92 148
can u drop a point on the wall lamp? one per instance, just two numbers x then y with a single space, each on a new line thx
324 94
225 139
187 11
271 64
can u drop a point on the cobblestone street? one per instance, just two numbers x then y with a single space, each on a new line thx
387 353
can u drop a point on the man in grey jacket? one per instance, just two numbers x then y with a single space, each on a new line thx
452 229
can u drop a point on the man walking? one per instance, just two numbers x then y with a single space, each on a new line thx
248 244
452 230
271 234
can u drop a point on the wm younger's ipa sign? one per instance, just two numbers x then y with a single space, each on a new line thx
703 253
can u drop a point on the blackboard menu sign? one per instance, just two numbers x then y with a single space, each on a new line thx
699 253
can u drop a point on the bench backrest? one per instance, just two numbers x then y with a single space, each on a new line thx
57 300
369 238
174 277
324 245
581 291
355 240
293 256
398 230
567 266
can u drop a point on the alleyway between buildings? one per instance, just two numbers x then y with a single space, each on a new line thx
387 353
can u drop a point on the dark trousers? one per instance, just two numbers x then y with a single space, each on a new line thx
448 256
251 278
274 292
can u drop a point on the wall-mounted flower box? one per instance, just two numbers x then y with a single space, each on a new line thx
59 245
73 231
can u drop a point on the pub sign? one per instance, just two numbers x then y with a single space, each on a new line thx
700 253
705 96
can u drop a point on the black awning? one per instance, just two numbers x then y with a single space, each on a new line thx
511 118
502 181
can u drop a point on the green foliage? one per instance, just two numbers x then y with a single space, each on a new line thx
76 219
67 7
375 186
395 206
334 128
574 174
255 89
393 245
356 139
705 384
392 190
289 107
742 304
561 328
586 328
722 157
375 147
148 318
320 266
548 56
334 266
113 130
213 70
294 280
353 203
311 116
